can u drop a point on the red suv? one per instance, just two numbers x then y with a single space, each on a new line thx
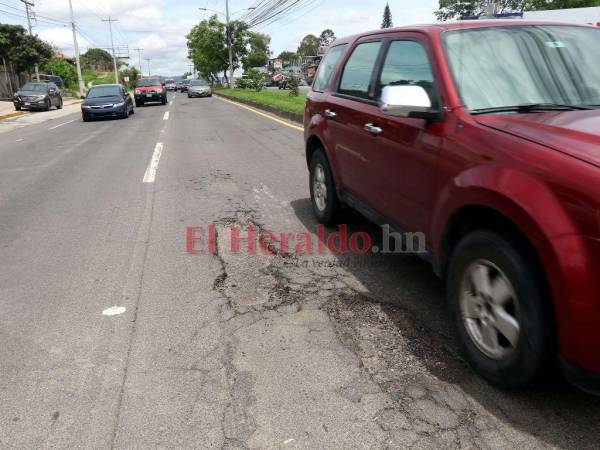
485 137
150 90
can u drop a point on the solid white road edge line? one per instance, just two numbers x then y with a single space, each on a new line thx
166 116
61 124
150 174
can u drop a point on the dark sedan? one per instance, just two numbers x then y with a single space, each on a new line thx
42 96
106 100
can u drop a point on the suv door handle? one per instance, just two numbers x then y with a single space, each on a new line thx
372 128
330 114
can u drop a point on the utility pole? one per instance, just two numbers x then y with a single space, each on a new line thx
139 50
29 4
228 30
192 70
77 61
148 60
112 44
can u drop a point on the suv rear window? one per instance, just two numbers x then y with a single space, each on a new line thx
358 71
149 82
327 66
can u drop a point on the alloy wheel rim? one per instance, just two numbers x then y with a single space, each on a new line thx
490 309
319 187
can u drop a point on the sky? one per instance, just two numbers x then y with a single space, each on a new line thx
160 27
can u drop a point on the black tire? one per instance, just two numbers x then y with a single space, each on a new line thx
132 110
164 100
533 352
48 105
17 108
85 118
60 104
189 96
330 213
138 104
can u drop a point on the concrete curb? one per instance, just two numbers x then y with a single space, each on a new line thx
13 114
23 113
298 118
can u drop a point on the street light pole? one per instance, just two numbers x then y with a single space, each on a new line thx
28 4
228 31
148 61
76 45
112 44
139 50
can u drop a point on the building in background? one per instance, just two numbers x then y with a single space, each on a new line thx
589 16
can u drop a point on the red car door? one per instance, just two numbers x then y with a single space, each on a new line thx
403 164
347 109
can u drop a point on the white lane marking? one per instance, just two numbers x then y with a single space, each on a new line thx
61 124
166 116
171 103
114 311
19 140
150 174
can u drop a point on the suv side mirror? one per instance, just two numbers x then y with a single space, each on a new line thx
407 101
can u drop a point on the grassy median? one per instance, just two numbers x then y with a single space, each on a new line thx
279 101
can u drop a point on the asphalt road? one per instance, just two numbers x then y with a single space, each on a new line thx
224 350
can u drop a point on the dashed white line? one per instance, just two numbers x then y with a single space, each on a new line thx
61 124
19 140
166 116
150 174
114 311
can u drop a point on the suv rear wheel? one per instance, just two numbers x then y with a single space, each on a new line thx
497 299
325 202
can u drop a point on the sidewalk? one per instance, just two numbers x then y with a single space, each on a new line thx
7 108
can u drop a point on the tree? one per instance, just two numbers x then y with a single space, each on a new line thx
62 68
387 17
309 45
327 37
207 46
98 59
287 58
455 9
258 52
22 51
132 73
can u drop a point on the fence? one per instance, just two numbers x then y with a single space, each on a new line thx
9 83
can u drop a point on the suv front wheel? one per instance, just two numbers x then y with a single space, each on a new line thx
499 306
325 202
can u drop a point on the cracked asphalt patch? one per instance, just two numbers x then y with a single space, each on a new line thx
331 367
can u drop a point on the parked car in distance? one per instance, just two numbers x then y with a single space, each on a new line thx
199 88
184 85
171 85
38 96
150 89
106 100
52 79
425 129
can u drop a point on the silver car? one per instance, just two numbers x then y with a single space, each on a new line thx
199 88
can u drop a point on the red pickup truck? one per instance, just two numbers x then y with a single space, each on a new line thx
485 137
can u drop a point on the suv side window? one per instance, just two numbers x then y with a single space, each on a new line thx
358 71
407 62
327 66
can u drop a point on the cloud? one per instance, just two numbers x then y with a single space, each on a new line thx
62 38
